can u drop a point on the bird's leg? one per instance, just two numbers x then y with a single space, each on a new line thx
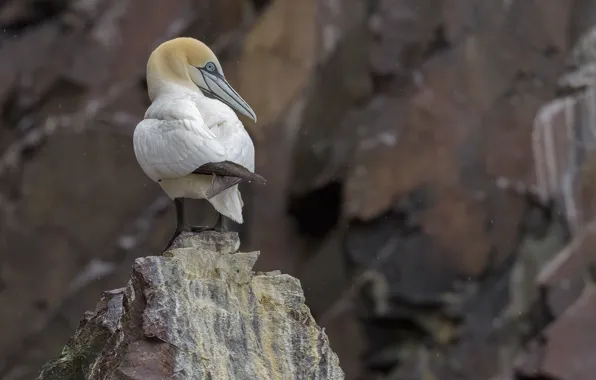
201 228
180 224
220 225
179 203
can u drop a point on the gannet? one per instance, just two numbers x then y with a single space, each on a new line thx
191 141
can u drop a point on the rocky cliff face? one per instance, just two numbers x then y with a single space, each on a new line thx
420 178
199 312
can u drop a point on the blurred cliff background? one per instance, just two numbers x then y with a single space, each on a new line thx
430 167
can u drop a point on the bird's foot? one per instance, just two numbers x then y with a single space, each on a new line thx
218 227
200 228
177 232
182 229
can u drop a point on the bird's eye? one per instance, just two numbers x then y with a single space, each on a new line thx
210 67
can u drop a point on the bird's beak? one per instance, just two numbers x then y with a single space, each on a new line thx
219 88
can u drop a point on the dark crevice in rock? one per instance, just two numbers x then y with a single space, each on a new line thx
539 317
404 322
260 5
437 44
566 91
538 219
395 320
527 313
398 310
382 82
317 212
541 216
537 225
400 222
410 206
34 14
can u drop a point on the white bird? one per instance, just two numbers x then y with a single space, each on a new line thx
190 141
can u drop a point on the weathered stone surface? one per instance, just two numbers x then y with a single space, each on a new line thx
565 274
422 191
563 147
404 31
567 347
199 312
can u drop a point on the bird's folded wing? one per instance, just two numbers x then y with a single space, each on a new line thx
175 148
220 184
230 169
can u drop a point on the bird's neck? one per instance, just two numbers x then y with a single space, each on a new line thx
158 87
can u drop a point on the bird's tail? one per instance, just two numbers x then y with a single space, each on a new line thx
229 203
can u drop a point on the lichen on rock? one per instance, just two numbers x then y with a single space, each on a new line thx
199 312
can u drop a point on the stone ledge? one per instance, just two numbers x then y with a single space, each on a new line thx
199 312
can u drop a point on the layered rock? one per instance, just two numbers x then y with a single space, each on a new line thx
199 312
410 177
563 281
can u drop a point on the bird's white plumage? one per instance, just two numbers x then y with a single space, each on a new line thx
184 130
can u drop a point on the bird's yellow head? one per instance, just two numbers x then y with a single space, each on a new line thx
190 63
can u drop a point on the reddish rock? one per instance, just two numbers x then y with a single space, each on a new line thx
568 351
